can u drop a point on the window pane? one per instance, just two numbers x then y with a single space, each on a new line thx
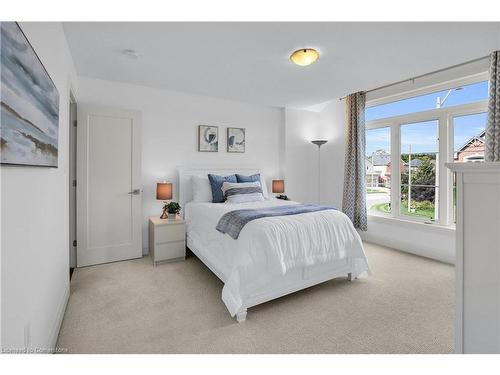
378 170
468 137
468 142
419 160
446 98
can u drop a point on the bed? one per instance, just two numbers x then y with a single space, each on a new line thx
273 256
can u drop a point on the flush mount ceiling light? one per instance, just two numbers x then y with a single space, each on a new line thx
304 56
130 53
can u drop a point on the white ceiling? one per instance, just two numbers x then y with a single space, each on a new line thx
249 61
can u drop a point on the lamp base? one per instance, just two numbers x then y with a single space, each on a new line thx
164 214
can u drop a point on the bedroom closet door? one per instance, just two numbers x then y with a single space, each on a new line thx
108 185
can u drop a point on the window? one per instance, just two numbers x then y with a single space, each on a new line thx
419 156
408 143
468 137
378 170
468 143
440 99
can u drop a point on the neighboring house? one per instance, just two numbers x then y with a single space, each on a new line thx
381 157
372 177
380 160
378 169
472 150
403 167
415 163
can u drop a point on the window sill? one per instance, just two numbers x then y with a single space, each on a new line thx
420 225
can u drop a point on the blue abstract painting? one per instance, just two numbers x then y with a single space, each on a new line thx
235 140
29 118
208 138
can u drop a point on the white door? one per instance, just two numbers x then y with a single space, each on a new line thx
108 185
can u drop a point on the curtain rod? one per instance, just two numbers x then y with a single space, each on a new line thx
423 75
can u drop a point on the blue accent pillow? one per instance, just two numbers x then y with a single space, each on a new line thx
216 185
252 178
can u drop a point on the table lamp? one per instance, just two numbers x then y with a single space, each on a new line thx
164 193
279 188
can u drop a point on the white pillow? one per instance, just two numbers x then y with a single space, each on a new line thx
262 179
242 192
202 192
264 187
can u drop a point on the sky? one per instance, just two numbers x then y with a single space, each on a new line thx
423 136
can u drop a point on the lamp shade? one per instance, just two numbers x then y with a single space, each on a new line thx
163 191
319 142
278 186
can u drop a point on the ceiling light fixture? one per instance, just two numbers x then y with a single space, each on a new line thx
304 56
130 53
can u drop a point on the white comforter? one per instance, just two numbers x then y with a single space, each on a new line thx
270 246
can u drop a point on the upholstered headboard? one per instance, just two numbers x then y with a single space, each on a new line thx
185 174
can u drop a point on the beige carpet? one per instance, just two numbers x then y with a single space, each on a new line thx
405 306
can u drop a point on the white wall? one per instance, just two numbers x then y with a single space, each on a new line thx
426 240
332 127
301 156
169 133
35 253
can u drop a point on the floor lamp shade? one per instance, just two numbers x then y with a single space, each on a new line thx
319 142
278 186
163 191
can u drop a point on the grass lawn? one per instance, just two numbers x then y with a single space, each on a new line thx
419 212
384 208
377 190
381 207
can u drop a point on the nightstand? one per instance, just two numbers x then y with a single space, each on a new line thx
167 239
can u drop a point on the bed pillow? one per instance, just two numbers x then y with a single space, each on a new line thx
202 192
242 192
253 178
216 185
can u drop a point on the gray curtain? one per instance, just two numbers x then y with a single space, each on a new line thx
492 138
354 200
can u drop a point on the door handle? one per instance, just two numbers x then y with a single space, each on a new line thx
135 192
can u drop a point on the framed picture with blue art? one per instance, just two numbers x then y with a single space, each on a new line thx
208 138
29 116
235 140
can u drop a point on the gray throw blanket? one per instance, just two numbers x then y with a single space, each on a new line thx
233 222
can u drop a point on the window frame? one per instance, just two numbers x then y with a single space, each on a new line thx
444 117
378 124
437 182
472 110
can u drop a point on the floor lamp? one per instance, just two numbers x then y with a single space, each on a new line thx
319 143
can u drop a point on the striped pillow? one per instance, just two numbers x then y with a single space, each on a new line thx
242 192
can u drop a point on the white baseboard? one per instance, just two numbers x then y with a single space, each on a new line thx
415 249
59 318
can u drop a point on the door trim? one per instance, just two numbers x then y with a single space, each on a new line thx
73 110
